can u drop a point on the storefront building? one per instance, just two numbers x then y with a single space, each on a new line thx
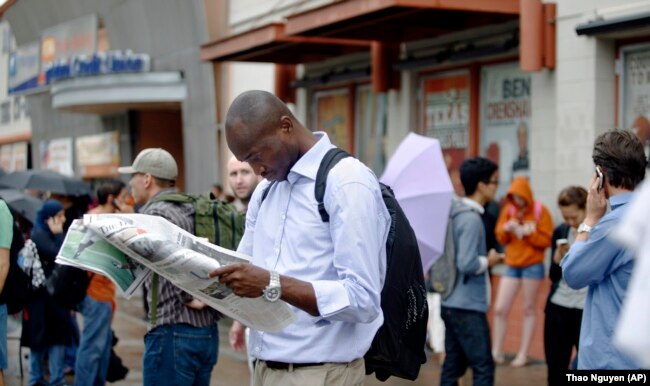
15 125
112 78
526 83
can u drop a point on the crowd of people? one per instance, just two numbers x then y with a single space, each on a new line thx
332 272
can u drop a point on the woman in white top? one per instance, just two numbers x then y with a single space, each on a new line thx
564 305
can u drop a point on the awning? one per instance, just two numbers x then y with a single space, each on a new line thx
618 27
399 20
271 44
106 94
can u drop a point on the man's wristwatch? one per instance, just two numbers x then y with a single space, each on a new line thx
272 292
584 228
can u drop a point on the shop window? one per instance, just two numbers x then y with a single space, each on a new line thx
505 120
634 100
445 106
370 128
5 112
331 114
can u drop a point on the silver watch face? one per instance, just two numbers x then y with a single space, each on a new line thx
272 293
584 228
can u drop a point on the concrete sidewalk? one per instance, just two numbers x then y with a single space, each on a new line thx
231 369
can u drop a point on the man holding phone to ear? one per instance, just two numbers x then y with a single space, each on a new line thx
595 260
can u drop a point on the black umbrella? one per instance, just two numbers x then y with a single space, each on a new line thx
45 181
22 203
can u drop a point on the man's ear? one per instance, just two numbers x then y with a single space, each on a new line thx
286 124
148 180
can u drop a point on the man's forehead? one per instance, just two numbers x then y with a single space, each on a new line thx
236 165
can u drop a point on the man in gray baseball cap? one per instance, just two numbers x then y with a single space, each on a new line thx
153 170
174 313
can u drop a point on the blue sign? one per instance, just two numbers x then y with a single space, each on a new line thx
99 63
23 68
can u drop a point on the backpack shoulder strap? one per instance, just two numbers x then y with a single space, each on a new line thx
266 191
332 157
537 210
174 197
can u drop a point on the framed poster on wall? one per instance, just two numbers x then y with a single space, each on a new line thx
98 155
56 154
331 114
505 120
446 117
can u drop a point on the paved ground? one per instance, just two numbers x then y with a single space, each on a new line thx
231 369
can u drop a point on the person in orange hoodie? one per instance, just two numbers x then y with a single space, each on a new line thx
91 367
525 228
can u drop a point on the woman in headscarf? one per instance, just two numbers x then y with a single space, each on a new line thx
47 326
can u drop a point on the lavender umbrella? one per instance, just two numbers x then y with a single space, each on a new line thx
418 176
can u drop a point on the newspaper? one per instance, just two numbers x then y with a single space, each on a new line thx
83 248
133 245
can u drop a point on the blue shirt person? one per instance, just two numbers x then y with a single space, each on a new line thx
605 267
595 260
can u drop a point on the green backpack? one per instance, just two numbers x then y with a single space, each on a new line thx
218 221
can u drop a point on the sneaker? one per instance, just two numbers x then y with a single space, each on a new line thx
519 361
499 358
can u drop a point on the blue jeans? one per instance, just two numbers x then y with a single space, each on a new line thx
467 343
55 356
71 349
535 271
94 349
3 336
180 354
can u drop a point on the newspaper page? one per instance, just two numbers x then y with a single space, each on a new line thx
83 248
186 261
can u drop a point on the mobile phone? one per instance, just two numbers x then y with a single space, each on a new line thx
561 242
600 178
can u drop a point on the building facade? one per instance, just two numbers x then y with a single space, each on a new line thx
114 77
526 83
15 125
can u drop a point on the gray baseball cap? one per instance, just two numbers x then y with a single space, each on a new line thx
155 161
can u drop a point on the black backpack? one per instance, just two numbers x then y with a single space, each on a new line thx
68 285
398 346
18 285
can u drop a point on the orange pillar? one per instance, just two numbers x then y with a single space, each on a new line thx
531 37
383 55
550 11
284 75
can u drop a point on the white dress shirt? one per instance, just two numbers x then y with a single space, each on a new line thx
344 260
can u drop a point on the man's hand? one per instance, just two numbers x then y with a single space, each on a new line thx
123 208
596 203
560 251
195 304
494 258
246 280
236 336
55 225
